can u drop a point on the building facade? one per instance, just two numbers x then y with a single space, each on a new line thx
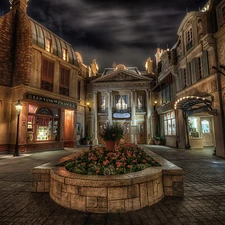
47 76
121 95
194 116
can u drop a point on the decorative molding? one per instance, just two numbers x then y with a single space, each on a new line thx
214 86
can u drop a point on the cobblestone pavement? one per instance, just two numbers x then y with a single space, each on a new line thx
204 201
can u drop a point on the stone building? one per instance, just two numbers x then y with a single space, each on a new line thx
120 95
48 77
190 85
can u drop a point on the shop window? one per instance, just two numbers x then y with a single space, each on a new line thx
194 127
169 123
43 124
64 81
47 74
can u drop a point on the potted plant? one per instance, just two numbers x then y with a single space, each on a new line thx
88 140
158 140
111 133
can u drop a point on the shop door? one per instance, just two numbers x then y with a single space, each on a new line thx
141 133
207 131
69 129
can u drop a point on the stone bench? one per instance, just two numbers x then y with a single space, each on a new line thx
109 194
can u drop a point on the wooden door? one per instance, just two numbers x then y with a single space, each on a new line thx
69 129
141 133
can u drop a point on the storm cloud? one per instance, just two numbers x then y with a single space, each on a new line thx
125 32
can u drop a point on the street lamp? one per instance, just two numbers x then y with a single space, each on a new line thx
19 107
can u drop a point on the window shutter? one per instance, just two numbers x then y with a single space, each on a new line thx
188 74
67 78
51 71
193 70
205 63
44 68
179 80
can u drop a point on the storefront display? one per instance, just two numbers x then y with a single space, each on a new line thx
42 124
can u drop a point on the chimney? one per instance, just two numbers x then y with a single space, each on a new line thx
18 4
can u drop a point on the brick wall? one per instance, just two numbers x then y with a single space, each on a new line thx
15 48
6 48
23 49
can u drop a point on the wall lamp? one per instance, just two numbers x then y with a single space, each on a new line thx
155 103
88 105
19 107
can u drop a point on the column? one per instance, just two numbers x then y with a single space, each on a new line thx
147 117
96 119
133 121
110 106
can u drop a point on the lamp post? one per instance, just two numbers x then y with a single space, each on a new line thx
19 107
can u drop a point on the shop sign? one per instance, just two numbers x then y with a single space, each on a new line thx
121 115
51 101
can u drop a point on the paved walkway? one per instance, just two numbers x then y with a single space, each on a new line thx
204 201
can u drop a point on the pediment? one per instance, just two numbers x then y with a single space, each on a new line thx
120 76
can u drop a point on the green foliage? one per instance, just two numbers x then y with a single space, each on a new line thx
112 132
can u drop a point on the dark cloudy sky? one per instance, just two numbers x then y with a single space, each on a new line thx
126 31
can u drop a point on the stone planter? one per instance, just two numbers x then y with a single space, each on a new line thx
109 194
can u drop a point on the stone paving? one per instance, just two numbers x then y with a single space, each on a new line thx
204 201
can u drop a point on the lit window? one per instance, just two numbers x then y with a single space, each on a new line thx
170 123
64 54
121 102
48 44
103 103
194 127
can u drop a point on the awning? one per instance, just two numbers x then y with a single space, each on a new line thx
188 102
194 104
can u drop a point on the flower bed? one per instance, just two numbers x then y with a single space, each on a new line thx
126 158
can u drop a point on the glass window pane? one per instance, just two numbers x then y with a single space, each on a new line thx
205 126
173 127
165 127
169 127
